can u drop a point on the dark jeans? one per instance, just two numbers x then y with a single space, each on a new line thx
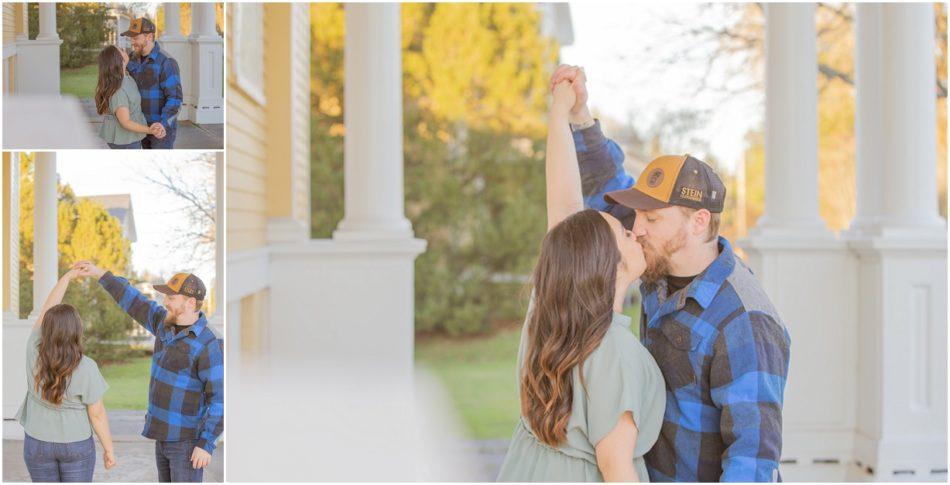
174 461
59 462
150 142
131 146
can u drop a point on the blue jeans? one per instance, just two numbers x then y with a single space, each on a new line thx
59 462
150 142
131 146
174 461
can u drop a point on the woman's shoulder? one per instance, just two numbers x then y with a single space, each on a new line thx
128 83
87 364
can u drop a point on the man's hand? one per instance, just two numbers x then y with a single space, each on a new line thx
157 130
579 114
86 268
200 458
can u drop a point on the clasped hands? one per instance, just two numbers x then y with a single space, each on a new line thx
157 130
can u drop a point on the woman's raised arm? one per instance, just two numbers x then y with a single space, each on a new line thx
561 173
56 296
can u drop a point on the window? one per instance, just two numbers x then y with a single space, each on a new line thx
247 52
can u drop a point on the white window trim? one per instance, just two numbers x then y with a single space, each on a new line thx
243 82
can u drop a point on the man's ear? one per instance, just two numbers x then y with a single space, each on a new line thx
701 221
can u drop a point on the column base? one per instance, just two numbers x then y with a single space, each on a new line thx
384 230
178 48
15 334
902 373
206 103
37 70
344 302
810 278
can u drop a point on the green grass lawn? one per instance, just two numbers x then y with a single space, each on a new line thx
79 82
128 384
479 375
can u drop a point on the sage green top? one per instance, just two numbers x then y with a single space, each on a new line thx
621 376
128 96
69 421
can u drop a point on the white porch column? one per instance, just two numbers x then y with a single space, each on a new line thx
902 257
11 232
217 320
121 25
45 220
371 254
909 112
868 119
206 103
373 163
15 330
791 121
47 22
798 260
172 21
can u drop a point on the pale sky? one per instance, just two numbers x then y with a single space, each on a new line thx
114 172
622 45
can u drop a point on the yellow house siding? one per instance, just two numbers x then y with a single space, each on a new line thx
11 240
287 91
300 109
253 326
246 168
9 23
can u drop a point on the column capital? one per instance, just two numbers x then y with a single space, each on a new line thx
47 22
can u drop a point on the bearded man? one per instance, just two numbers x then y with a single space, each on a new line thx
186 390
718 340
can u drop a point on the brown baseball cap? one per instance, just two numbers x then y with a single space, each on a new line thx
183 284
673 180
140 26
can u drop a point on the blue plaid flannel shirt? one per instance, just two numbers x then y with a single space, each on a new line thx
186 391
722 348
159 83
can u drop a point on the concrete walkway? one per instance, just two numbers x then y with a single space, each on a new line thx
134 453
190 136
491 454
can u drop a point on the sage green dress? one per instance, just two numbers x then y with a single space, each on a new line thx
128 96
621 376
69 421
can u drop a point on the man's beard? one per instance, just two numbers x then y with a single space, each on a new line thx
659 262
171 318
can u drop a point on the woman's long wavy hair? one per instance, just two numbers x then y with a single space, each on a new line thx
574 285
60 352
110 77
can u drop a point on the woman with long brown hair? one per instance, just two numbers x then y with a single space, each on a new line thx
63 403
119 101
592 397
